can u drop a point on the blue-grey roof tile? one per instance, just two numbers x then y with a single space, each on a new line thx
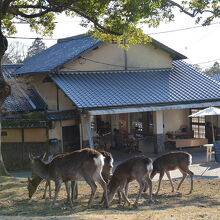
54 57
70 48
20 100
94 89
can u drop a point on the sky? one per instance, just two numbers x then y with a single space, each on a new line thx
200 44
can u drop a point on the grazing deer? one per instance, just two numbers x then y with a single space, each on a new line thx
86 163
172 161
137 168
34 182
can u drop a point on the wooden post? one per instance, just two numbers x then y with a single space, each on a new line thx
213 132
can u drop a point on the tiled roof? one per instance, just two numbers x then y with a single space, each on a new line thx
71 48
98 89
54 57
216 77
20 100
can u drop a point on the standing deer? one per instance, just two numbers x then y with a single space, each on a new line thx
34 182
86 163
137 168
172 161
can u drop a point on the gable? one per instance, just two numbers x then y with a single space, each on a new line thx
108 56
72 48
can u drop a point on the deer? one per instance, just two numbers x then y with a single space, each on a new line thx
87 163
171 161
34 182
137 168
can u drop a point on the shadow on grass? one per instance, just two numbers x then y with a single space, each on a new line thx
13 203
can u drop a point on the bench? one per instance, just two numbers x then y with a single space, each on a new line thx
189 142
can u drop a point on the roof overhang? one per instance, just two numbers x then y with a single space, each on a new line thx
151 108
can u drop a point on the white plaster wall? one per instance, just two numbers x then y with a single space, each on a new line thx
173 119
139 56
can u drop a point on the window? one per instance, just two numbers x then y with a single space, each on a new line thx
198 125
4 133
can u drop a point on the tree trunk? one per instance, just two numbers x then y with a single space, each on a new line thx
3 171
5 91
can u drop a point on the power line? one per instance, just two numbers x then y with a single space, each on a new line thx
209 61
182 29
33 38
162 32
134 67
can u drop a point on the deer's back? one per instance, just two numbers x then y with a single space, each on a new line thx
71 166
129 169
172 160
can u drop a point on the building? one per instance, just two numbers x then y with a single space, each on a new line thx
97 93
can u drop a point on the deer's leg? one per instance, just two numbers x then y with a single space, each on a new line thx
141 188
160 178
67 184
170 179
191 174
149 183
74 190
126 193
49 185
45 190
185 172
145 188
126 188
124 197
57 189
119 197
104 187
93 186
183 178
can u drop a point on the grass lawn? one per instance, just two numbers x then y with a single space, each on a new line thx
203 203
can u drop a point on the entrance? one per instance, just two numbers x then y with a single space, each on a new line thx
71 138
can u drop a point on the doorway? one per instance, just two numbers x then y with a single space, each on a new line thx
71 138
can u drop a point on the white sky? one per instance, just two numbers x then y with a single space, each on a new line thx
200 45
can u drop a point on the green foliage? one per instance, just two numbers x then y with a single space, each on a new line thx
108 19
213 70
34 115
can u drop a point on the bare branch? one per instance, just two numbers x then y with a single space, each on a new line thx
182 9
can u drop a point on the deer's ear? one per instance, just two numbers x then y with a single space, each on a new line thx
49 159
44 156
31 156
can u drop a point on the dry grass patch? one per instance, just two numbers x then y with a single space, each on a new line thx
203 203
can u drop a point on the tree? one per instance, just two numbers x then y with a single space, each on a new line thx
108 19
37 46
15 53
213 70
